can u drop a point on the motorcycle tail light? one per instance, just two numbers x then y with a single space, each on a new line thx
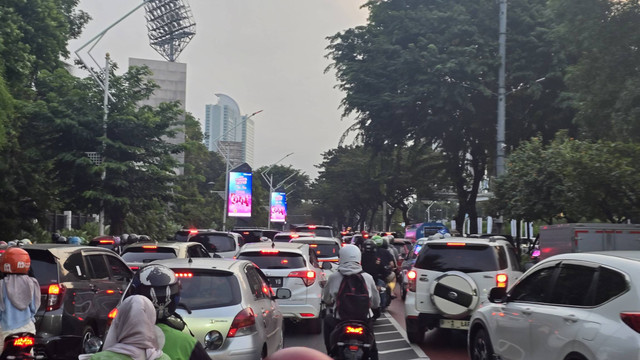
502 280
353 347
632 319
23 342
357 330
243 324
411 275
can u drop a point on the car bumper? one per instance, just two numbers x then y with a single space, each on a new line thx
58 347
300 311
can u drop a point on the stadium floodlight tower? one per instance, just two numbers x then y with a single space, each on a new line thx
170 26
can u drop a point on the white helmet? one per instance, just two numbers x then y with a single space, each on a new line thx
350 253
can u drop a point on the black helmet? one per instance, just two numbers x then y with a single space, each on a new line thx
385 243
54 237
132 239
159 284
369 246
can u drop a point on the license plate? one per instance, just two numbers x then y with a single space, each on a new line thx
275 281
454 324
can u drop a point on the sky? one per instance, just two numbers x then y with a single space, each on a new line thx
267 55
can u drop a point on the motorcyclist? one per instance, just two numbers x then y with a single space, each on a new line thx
19 294
159 284
350 258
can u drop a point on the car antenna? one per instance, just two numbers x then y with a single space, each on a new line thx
273 244
190 259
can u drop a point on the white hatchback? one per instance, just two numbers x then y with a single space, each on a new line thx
295 267
577 306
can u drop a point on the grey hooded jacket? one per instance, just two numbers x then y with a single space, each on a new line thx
330 290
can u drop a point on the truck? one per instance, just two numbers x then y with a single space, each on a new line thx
584 237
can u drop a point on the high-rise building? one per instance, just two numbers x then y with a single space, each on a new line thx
228 132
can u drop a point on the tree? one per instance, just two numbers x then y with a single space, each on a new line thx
425 72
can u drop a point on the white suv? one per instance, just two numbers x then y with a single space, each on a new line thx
452 277
576 306
295 267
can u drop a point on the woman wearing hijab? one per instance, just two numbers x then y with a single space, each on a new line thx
133 334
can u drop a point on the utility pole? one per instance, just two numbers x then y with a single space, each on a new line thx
502 43
104 143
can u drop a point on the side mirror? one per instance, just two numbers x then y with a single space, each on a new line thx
326 265
498 295
283 293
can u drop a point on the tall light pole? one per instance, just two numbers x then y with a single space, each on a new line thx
228 161
269 181
502 43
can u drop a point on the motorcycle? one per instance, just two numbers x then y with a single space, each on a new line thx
352 340
19 346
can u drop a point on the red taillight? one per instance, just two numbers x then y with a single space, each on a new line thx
184 274
501 280
23 342
308 277
456 244
358 330
112 314
193 231
150 247
294 236
243 324
54 293
313 245
134 268
411 276
354 347
107 242
269 251
312 227
632 319
306 315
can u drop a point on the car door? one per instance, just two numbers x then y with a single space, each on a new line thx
266 307
106 290
512 340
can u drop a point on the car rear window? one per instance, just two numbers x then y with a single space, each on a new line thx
282 238
143 255
467 258
204 289
325 250
181 235
216 242
274 260
44 267
317 231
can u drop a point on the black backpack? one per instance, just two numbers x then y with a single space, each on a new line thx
352 300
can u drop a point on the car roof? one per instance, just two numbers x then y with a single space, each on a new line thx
494 240
64 249
202 263
165 244
599 256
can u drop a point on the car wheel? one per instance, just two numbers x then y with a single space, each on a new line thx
481 348
314 325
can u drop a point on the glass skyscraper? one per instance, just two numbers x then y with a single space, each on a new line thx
226 131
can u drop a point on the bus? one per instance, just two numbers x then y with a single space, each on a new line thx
420 230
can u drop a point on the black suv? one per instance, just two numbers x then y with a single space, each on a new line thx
80 285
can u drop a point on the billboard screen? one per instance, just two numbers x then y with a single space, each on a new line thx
278 207
239 202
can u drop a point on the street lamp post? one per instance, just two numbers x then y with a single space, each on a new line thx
227 160
269 181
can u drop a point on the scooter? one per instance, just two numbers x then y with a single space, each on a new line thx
352 340
18 346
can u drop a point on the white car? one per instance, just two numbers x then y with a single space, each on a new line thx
295 267
576 306
327 251
451 277
218 243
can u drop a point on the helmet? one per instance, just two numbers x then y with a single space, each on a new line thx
144 238
377 239
132 238
369 246
15 261
385 243
55 236
159 284
62 240
350 253
74 240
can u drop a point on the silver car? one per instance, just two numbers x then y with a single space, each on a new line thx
229 306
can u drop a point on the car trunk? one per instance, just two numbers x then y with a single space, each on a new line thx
45 269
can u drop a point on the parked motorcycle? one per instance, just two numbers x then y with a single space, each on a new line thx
351 340
18 346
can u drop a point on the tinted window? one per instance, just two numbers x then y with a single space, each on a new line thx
572 285
208 289
279 260
197 251
74 268
259 288
327 232
610 284
99 270
325 250
140 254
44 267
468 259
119 270
215 242
502 257
535 287
281 238
181 235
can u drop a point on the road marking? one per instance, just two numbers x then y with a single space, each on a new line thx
388 341
393 350
415 347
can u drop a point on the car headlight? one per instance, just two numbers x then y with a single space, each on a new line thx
213 340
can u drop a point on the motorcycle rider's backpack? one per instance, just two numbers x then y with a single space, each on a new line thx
352 300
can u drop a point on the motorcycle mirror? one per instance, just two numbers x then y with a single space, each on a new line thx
92 345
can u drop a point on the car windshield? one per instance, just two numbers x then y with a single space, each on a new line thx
216 242
467 259
203 289
145 255
274 260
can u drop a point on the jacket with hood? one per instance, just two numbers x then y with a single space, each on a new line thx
19 301
330 291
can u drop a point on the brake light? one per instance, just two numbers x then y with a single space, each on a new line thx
112 314
243 324
106 241
366 236
354 347
312 227
184 274
294 236
23 342
501 280
412 275
54 293
269 251
308 277
632 319
313 245
358 330
149 246
456 244
134 268
193 231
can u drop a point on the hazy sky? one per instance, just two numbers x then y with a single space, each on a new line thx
266 54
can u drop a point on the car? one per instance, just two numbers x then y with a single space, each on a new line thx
451 277
79 286
318 230
184 234
229 307
219 243
106 242
295 267
138 254
403 246
287 236
568 306
256 234
407 264
326 248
